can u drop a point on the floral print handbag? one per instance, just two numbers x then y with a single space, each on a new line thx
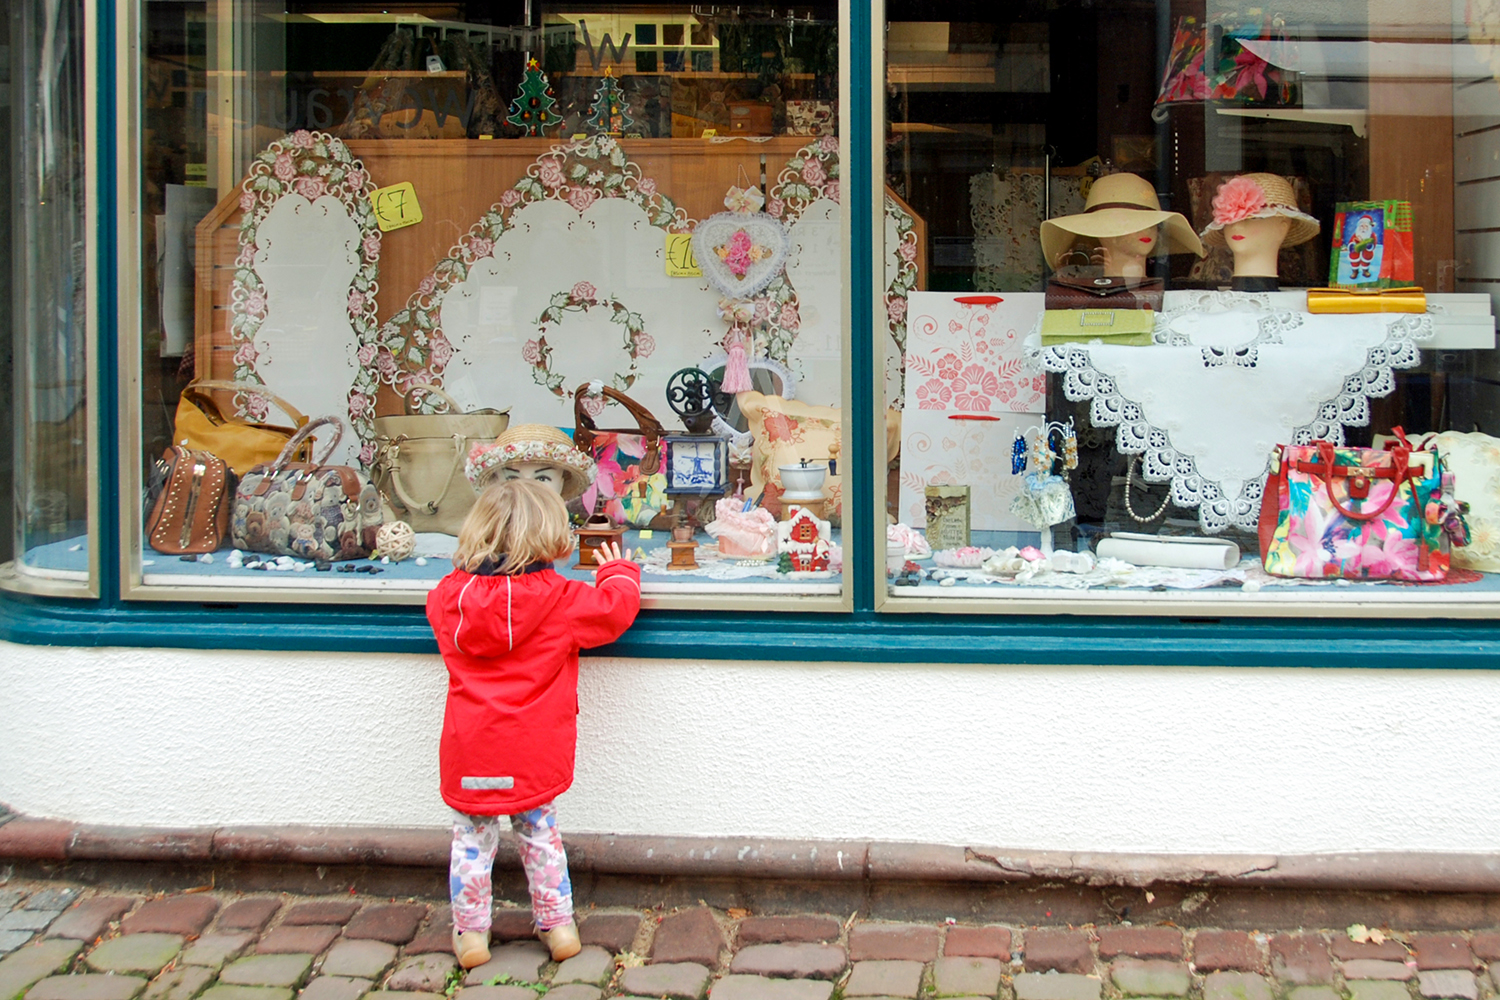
631 481
1359 513
307 509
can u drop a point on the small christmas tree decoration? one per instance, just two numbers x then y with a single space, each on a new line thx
609 114
531 111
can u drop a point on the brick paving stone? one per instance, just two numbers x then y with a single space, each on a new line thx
396 995
421 974
956 976
614 932
393 924
267 970
888 978
1225 951
1150 977
1442 951
893 942
25 966
519 960
90 987
358 959
512 924
1065 951
678 980
790 961
756 988
51 899
213 950
1389 950
10 897
689 936
436 936
1235 986
182 983
1486 945
297 939
185 915
11 940
248 993
1140 942
322 911
248 914
1313 993
1055 986
593 965
28 920
1447 983
783 930
978 942
574 991
1374 968
91 917
497 993
1371 989
1301 959
148 953
336 988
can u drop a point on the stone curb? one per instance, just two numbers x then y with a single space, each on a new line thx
25 838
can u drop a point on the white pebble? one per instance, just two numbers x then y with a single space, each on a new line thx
148 562
75 548
206 557
236 554
300 567
421 561
386 560
284 560
1251 586
948 581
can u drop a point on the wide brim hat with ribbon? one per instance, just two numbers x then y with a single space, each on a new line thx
1118 205
542 444
1259 196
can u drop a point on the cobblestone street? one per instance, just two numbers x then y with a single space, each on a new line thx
67 942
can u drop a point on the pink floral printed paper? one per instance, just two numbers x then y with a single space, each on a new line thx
963 353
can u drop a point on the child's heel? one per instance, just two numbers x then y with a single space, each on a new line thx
562 941
472 948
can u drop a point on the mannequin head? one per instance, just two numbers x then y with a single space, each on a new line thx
1255 244
548 475
1126 256
538 452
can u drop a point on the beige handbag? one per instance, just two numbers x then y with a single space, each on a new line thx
419 461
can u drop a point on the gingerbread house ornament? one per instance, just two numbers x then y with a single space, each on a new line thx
804 538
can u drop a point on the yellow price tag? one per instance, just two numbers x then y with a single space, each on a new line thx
709 133
680 260
396 206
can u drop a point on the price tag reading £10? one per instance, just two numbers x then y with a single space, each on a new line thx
396 206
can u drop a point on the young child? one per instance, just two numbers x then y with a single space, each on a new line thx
509 629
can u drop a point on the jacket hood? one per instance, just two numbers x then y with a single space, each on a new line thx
491 615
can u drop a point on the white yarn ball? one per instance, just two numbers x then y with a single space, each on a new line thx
396 539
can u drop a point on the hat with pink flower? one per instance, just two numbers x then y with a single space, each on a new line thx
541 444
1258 196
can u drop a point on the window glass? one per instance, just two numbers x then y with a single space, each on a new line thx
1111 372
595 243
45 530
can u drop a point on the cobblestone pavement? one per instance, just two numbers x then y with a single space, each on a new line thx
64 942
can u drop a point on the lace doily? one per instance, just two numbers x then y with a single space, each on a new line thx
1205 417
1006 212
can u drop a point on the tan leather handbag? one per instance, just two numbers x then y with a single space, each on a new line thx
191 514
200 426
419 461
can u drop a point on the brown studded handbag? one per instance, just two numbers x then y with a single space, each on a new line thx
191 514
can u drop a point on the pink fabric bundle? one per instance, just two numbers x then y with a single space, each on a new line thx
743 534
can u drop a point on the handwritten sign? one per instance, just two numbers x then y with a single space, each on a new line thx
396 206
680 260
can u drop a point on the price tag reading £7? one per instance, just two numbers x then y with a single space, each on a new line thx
396 206
680 260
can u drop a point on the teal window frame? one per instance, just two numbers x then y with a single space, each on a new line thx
861 635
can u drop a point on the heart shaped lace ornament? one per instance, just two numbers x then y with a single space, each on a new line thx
740 253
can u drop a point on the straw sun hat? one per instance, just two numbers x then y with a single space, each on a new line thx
1118 205
1258 196
539 443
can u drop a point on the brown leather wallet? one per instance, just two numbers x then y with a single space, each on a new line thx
1087 288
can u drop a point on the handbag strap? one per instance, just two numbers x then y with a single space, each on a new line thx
649 427
302 434
432 390
392 456
1399 475
194 391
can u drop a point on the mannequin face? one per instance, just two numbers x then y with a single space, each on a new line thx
1125 256
549 474
1255 244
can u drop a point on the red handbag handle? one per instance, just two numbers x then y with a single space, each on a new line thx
1325 452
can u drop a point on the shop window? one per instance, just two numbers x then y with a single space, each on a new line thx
46 532
1108 230
475 243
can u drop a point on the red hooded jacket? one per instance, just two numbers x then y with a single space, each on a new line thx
510 644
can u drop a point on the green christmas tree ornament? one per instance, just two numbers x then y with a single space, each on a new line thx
531 111
609 114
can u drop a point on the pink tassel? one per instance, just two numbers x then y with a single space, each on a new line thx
737 367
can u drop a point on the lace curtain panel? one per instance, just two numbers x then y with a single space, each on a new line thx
1007 212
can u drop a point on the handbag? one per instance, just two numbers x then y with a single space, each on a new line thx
1376 300
1074 287
419 461
307 509
200 426
1357 513
631 483
191 512
1125 327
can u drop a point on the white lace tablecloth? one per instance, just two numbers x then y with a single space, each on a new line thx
1226 381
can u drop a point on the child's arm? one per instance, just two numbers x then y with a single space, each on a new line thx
603 612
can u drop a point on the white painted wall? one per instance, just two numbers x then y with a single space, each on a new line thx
1115 759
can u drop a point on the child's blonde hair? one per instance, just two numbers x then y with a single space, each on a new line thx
520 519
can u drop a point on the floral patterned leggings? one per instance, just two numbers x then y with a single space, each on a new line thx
475 841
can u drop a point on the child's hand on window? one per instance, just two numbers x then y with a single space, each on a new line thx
607 551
